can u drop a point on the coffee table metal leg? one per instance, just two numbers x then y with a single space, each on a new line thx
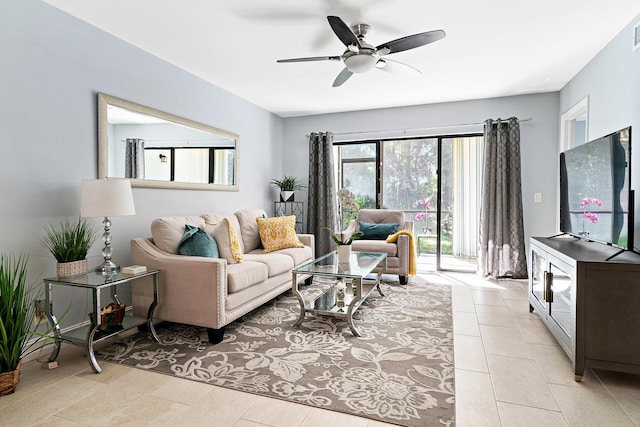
294 287
352 308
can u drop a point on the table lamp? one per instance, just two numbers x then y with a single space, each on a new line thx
106 198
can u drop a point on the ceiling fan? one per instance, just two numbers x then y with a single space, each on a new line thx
361 57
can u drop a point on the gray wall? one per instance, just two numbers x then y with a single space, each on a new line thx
53 66
539 140
611 80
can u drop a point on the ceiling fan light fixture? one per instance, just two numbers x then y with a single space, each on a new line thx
360 63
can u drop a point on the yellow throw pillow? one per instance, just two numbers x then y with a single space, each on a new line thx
227 240
278 233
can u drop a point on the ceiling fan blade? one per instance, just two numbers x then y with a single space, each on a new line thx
343 31
410 42
310 59
342 77
396 67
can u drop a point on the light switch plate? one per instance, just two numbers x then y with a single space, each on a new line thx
537 197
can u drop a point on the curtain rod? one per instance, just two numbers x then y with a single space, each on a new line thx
528 119
188 141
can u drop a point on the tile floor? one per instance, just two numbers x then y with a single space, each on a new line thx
509 372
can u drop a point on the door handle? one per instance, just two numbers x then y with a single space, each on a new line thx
548 281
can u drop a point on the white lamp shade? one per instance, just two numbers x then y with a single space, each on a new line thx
106 197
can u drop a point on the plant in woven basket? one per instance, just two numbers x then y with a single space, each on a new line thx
70 241
19 334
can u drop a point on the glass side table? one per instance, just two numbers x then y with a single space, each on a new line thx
96 283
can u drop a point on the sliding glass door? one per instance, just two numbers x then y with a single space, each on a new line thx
460 185
403 174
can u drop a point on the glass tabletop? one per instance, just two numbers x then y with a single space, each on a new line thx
93 279
360 264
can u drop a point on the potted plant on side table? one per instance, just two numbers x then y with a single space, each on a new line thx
18 331
69 243
287 185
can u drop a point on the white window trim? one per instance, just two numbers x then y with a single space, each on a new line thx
567 130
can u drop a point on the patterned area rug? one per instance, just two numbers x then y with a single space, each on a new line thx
399 371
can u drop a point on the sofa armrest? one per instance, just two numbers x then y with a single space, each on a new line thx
187 284
309 240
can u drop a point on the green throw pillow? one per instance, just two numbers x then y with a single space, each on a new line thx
377 231
196 242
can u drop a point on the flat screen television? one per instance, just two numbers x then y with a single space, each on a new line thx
596 201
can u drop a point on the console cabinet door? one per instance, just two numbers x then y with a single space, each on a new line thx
561 296
552 293
537 280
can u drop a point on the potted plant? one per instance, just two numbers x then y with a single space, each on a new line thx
18 331
69 243
287 185
346 199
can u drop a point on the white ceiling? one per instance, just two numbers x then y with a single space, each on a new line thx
493 48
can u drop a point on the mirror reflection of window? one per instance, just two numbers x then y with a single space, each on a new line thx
192 165
157 164
223 161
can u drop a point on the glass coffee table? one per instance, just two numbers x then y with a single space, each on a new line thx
335 288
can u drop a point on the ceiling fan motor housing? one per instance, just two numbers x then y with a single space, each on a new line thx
362 61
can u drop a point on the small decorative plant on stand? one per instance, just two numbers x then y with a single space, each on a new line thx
593 217
287 185
423 215
19 334
69 243
345 199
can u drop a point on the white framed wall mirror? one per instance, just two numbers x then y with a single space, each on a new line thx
160 150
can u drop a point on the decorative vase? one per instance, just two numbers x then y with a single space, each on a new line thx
344 253
73 268
286 196
9 380
340 295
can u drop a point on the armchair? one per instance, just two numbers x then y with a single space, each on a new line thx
398 253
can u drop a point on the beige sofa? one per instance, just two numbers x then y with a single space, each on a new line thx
398 253
212 292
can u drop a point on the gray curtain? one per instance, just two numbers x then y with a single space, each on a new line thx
134 158
321 210
502 248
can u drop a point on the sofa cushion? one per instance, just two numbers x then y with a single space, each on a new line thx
391 249
246 274
276 263
227 241
196 242
249 228
382 216
168 231
377 231
299 255
278 233
213 218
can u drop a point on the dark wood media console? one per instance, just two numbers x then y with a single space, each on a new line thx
588 295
